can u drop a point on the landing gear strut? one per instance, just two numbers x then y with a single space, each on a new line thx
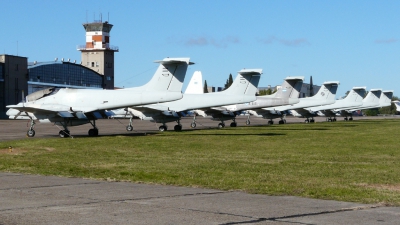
248 120
130 127
193 124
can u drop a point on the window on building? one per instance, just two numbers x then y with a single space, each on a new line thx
92 64
97 64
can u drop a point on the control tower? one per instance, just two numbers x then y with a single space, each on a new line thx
97 53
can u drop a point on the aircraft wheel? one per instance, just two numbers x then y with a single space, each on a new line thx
281 122
93 132
312 121
270 122
345 119
63 133
129 128
30 133
162 128
193 125
351 119
334 119
178 127
221 125
306 121
247 122
233 124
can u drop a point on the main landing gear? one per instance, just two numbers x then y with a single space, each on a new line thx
350 119
331 119
178 127
221 125
309 120
163 128
282 121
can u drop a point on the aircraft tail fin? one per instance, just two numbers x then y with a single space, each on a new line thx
386 98
195 85
373 95
327 91
290 88
246 82
356 94
169 75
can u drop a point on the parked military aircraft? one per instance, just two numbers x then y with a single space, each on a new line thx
325 96
397 104
72 107
383 101
242 90
354 98
288 94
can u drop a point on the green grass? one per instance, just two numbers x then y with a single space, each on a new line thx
356 161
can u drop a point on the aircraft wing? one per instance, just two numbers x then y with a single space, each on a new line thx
61 111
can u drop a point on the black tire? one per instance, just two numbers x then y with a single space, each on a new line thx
247 122
221 125
162 128
30 133
63 133
178 127
193 125
233 124
129 128
93 132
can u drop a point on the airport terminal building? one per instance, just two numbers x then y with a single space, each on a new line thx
18 77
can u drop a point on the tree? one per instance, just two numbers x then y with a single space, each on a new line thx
205 90
265 92
389 109
229 82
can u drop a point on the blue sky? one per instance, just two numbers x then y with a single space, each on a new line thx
354 42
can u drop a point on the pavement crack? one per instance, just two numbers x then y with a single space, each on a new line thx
282 218
48 186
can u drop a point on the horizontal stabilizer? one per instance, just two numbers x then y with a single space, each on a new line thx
250 71
167 61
